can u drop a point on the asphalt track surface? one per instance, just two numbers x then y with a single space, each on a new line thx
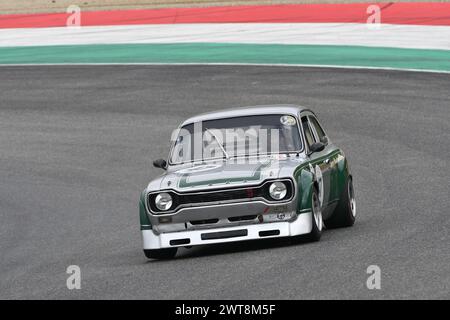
76 145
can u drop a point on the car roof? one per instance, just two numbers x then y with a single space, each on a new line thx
247 111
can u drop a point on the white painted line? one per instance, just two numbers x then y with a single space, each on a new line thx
222 64
342 34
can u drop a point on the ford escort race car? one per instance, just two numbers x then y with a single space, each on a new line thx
244 174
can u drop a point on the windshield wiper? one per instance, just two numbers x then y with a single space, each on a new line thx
218 142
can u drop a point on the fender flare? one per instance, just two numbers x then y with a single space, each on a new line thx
306 181
143 217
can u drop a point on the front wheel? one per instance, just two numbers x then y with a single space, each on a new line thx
160 254
345 213
317 222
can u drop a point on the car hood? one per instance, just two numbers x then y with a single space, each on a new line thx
227 173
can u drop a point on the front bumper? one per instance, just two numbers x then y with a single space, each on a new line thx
301 225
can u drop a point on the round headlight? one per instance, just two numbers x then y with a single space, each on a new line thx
278 190
163 201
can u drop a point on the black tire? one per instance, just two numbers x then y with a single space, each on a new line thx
345 213
316 231
161 254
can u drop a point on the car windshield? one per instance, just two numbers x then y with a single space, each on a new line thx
236 137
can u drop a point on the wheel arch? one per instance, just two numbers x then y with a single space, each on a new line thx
343 173
143 217
306 183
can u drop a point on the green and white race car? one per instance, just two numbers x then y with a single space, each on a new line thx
244 174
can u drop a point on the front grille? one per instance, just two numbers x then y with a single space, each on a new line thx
220 196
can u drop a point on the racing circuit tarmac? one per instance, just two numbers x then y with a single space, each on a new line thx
76 145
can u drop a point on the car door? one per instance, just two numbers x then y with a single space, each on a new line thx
320 161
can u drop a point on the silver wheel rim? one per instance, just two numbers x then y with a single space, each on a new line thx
317 212
351 198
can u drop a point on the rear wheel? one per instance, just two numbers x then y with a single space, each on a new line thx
345 213
161 254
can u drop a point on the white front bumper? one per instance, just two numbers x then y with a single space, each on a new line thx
301 225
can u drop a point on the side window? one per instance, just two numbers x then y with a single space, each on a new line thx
307 130
321 134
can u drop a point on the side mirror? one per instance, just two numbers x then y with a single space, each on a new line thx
316 147
160 163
